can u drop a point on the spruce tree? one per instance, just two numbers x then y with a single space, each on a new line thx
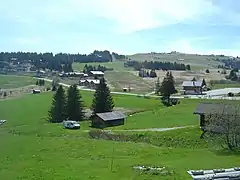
57 111
204 82
74 107
167 87
102 100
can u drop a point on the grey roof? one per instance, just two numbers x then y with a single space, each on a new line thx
212 108
223 174
109 116
192 83
97 72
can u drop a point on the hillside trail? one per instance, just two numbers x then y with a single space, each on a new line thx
147 129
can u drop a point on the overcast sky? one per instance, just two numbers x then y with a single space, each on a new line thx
123 26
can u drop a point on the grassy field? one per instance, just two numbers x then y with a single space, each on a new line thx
32 148
116 65
220 86
192 59
120 80
10 81
180 115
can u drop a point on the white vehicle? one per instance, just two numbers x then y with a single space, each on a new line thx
71 124
2 122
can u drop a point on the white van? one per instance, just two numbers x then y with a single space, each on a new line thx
71 124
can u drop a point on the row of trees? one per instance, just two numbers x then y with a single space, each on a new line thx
40 82
118 56
88 68
156 65
144 73
59 62
71 106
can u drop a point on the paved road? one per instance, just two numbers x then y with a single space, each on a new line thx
213 94
86 89
225 91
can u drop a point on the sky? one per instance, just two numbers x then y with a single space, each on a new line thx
122 26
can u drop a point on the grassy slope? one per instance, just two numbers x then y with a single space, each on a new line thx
10 81
120 77
220 86
31 148
192 59
180 115
116 65
120 80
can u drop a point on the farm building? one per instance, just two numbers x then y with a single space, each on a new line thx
96 74
204 109
90 83
108 119
72 74
221 174
193 87
36 91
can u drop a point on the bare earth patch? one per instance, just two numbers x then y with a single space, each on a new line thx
18 92
181 76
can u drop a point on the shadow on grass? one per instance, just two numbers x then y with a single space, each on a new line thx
226 152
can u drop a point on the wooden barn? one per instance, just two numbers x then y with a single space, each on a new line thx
108 119
193 87
204 109
36 91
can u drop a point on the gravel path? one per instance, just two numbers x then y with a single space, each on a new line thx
146 130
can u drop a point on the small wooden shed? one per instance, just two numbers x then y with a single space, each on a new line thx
36 91
204 109
108 119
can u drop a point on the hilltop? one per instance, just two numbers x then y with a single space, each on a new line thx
192 59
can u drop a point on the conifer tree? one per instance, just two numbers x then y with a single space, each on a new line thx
74 106
167 87
57 111
102 100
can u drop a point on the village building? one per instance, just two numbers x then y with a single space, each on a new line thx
108 119
205 109
90 83
72 74
193 87
96 74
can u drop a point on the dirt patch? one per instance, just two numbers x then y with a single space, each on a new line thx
181 76
120 80
18 92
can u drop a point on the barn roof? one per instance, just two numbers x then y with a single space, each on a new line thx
231 173
213 108
109 116
192 83
97 72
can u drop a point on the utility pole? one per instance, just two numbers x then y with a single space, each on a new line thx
112 160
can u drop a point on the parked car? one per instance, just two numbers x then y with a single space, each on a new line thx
71 124
2 122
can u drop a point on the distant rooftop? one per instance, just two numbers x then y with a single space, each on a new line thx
109 116
192 83
211 108
221 174
97 72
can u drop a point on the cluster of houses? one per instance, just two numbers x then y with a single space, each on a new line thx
90 80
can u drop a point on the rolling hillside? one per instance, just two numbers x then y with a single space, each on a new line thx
192 59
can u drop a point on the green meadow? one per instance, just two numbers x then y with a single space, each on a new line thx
32 148
11 81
